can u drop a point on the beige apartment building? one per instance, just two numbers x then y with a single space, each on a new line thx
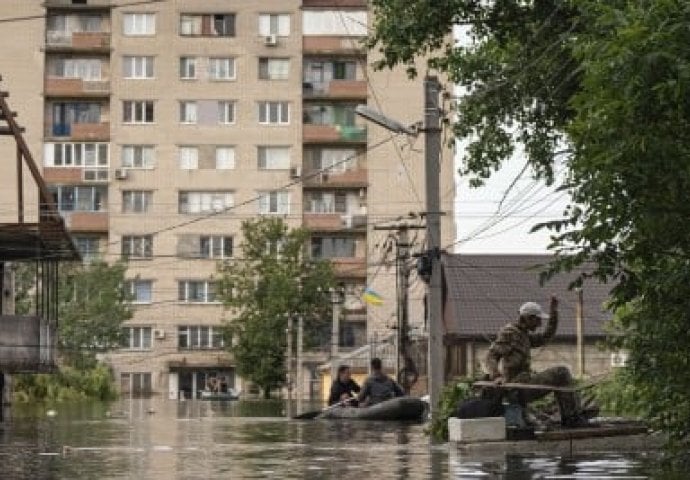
162 125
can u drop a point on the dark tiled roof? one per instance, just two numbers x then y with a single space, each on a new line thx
484 292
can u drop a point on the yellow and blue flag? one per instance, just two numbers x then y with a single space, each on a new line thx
371 297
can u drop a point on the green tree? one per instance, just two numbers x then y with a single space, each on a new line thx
606 83
274 277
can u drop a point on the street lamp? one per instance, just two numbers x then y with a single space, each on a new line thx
432 154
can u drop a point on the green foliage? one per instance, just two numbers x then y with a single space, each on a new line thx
606 83
68 384
273 278
617 395
453 393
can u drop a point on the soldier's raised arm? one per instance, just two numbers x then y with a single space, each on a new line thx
539 339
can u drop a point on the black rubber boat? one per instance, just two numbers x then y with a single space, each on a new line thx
402 408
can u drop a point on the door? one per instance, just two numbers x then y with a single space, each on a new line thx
173 386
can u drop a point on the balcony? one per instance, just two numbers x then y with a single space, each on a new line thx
70 5
62 175
356 178
76 87
80 131
332 45
86 221
334 133
336 89
333 222
349 267
27 344
334 3
62 41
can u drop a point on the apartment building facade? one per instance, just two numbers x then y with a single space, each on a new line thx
161 126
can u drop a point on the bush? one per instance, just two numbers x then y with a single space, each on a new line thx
451 395
617 395
68 384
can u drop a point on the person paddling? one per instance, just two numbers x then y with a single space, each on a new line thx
378 387
343 387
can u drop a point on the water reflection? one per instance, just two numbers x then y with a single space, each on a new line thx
208 440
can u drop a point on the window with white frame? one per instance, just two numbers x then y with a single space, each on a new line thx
273 157
207 25
135 384
274 202
137 111
188 158
226 112
274 113
89 247
76 155
215 246
139 291
80 198
204 202
138 156
137 67
136 338
221 68
136 201
333 247
326 202
199 337
274 24
335 160
225 158
189 112
87 69
274 68
196 291
188 68
135 24
137 246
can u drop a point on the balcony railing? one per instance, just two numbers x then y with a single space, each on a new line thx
340 89
336 45
355 178
78 40
80 131
86 221
328 222
355 267
334 133
76 87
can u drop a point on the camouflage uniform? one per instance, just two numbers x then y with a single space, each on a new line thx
512 346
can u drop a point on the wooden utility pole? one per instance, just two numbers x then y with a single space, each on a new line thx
579 328
432 151
336 310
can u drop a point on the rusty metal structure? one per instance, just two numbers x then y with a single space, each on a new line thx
28 339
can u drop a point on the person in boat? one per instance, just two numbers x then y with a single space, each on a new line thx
343 387
508 360
378 387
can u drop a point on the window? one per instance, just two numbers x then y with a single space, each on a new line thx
137 67
137 111
274 24
274 68
215 25
139 290
138 156
69 198
326 202
73 23
136 338
274 158
86 69
204 202
188 112
89 248
333 247
343 115
189 158
335 160
65 114
225 158
226 112
139 24
199 337
276 202
196 291
274 113
137 246
188 68
215 246
350 23
76 155
221 68
135 384
136 201
318 71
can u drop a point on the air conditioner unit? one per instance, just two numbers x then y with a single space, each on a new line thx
619 359
295 172
271 40
121 174
159 333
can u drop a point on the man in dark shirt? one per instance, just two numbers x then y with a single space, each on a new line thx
343 387
379 386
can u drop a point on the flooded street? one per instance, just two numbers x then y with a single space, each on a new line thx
204 440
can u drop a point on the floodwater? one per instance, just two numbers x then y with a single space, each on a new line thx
158 439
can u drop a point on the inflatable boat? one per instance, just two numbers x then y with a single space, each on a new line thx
402 408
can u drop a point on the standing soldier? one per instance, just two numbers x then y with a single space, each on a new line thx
508 360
